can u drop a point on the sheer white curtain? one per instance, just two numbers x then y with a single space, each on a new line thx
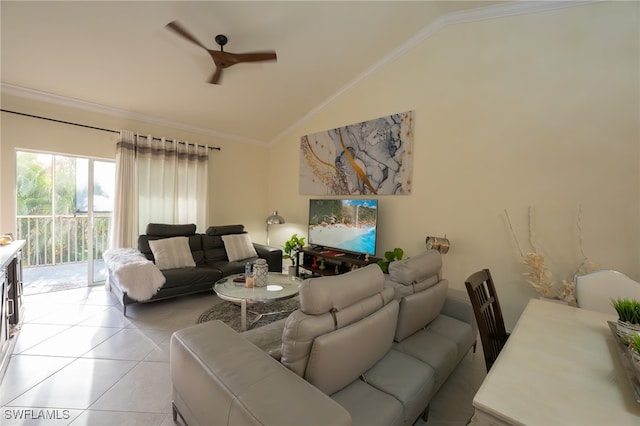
167 184
124 221
172 182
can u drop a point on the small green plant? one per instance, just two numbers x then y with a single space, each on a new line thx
292 248
634 344
628 310
390 256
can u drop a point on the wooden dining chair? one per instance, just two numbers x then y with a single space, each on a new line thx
486 308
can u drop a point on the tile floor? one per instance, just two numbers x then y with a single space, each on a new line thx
78 361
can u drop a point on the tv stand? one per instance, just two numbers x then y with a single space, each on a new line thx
320 261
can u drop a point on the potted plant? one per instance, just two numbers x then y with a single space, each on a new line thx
628 318
634 351
291 250
390 256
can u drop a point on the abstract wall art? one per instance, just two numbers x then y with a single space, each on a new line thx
372 157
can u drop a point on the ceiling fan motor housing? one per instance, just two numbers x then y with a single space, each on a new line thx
221 40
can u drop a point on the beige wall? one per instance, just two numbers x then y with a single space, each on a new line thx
238 192
538 110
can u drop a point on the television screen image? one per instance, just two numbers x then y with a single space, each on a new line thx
344 224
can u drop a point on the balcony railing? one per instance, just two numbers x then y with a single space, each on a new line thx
51 240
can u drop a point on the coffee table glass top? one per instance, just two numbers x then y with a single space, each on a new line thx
279 287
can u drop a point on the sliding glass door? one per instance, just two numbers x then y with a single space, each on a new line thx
102 182
64 207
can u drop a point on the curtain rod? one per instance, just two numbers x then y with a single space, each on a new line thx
217 148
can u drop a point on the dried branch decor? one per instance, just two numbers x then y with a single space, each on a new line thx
539 276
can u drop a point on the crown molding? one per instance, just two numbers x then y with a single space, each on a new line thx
454 18
37 95
461 17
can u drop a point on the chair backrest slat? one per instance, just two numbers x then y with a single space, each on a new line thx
488 313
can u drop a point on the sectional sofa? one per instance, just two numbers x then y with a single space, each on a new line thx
363 349
207 260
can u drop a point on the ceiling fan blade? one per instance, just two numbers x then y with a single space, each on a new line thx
215 78
221 58
180 30
255 56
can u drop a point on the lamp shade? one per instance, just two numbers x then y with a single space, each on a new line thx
275 219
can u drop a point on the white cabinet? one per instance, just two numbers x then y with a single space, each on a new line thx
11 298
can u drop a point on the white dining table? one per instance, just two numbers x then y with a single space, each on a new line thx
560 366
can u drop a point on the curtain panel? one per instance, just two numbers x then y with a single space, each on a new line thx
124 221
172 182
166 184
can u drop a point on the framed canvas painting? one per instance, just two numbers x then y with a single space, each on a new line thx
373 157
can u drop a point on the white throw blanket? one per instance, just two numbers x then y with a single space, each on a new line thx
139 277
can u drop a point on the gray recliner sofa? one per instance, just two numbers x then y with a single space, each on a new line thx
363 349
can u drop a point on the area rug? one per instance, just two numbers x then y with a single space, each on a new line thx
229 313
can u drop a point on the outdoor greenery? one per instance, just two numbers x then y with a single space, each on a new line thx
54 234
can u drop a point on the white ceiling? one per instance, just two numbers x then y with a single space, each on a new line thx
119 55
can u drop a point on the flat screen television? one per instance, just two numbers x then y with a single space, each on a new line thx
348 225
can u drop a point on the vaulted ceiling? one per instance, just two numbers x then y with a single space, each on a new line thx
119 57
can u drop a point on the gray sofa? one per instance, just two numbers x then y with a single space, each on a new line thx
363 349
209 255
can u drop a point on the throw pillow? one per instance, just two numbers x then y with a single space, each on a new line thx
238 247
171 253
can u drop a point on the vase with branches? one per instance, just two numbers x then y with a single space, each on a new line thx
538 274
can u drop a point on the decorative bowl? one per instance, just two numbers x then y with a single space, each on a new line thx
627 330
634 356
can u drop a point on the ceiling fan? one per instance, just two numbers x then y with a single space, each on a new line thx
221 58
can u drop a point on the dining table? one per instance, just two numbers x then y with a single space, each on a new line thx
561 365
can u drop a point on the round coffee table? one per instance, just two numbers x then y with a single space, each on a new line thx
279 287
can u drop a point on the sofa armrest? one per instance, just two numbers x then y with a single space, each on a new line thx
220 378
457 305
272 255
